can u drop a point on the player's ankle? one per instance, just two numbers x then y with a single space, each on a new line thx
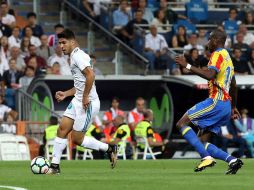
55 166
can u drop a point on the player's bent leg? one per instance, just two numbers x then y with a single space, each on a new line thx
60 144
192 138
89 142
234 164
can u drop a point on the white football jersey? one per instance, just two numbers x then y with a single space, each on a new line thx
79 61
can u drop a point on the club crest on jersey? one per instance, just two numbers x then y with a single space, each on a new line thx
69 106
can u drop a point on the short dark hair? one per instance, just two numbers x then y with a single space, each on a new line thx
233 9
31 14
220 35
67 33
92 56
29 67
59 26
53 120
4 3
237 48
193 49
116 99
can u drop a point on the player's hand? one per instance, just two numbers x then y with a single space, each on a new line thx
60 96
85 102
235 114
180 60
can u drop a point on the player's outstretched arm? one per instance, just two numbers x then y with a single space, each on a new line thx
206 74
89 74
60 95
233 94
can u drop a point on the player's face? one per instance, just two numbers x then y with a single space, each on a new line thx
211 44
66 45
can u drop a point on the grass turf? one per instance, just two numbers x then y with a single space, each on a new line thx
154 175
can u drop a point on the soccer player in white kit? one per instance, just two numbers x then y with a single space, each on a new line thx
84 106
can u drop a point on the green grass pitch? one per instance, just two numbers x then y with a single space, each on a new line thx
154 175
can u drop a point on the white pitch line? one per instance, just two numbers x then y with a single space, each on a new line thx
13 188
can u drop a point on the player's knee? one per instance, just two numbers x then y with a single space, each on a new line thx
62 132
76 138
180 124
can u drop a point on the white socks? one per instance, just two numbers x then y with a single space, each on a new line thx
92 143
59 146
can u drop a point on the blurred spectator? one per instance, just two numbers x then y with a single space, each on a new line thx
6 110
33 63
93 7
122 133
27 78
25 43
251 62
147 13
15 54
144 129
231 24
49 134
14 39
239 43
245 126
249 18
2 88
9 125
128 31
32 23
136 115
170 15
44 50
197 11
248 37
32 53
59 57
3 63
205 58
179 40
160 20
6 17
229 136
28 32
202 38
5 47
193 59
228 42
52 40
193 43
55 69
110 115
95 69
5 30
11 80
121 16
156 50
240 65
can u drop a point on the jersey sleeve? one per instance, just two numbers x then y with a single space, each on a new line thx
149 132
120 133
82 60
215 61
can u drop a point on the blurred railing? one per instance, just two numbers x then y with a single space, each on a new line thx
31 109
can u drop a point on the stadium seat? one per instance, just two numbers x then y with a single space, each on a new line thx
87 154
9 148
148 152
190 28
121 150
49 147
23 147
197 11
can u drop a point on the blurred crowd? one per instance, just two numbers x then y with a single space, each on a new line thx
165 29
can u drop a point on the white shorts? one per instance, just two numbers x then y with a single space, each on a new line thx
82 118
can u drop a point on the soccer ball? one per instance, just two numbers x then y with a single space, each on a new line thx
39 165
